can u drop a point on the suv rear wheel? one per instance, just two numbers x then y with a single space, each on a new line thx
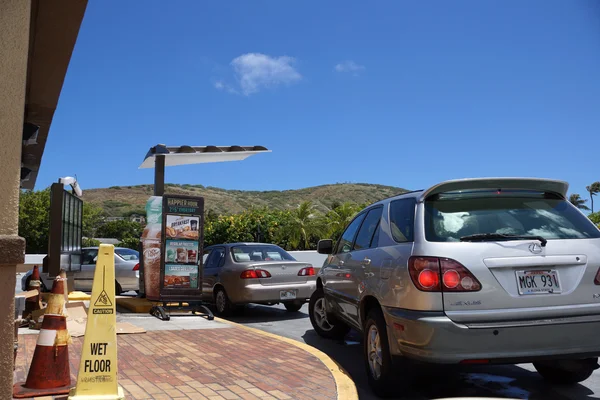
322 324
378 361
567 372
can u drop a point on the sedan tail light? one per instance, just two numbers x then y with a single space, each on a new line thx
137 267
597 278
433 274
255 274
308 271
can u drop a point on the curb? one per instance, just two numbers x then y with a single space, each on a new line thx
346 389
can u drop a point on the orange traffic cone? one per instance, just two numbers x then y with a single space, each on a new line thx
49 372
63 274
33 303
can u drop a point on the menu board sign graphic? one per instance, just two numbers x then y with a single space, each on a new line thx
184 252
181 276
183 223
182 227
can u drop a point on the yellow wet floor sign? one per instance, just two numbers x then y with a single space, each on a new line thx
97 378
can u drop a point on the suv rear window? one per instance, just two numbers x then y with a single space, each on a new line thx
450 216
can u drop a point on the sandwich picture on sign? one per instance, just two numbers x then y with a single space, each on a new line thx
182 227
181 276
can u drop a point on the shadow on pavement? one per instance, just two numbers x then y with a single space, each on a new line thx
432 382
436 382
253 313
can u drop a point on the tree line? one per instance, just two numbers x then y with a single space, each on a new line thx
294 229
299 228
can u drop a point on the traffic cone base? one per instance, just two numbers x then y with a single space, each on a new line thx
21 392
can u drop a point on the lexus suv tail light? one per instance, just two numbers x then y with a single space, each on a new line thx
434 274
597 278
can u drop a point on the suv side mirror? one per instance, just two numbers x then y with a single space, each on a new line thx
325 246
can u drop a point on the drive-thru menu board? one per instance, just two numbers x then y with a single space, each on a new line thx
182 237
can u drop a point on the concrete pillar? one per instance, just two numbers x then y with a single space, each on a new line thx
15 18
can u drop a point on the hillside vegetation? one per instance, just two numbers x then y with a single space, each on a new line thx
119 201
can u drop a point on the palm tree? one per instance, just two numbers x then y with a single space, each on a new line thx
304 224
593 189
578 202
338 218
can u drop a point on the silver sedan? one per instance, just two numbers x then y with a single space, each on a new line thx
236 274
126 271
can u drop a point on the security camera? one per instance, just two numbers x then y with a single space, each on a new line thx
69 180
77 189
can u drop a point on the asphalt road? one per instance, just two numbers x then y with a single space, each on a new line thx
513 382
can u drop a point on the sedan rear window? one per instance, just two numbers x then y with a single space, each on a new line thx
450 216
260 253
128 254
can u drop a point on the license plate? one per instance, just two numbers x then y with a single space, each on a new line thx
538 282
287 295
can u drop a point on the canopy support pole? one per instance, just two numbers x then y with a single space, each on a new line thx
159 175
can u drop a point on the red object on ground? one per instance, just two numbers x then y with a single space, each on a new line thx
33 303
49 372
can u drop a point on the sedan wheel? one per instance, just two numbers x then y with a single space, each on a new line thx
293 306
321 322
222 304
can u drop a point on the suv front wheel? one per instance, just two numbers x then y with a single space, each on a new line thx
321 323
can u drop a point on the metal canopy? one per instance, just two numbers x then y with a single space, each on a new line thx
161 156
184 155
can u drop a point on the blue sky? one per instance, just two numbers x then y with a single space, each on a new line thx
391 92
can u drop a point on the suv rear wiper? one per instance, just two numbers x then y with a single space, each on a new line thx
483 237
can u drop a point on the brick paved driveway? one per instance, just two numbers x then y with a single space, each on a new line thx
230 363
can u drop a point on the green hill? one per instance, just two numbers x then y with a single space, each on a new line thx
122 200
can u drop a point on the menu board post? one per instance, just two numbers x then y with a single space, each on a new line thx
182 240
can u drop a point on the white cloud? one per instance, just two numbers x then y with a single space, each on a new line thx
349 66
220 85
255 71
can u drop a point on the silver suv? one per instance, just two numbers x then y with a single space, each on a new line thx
474 271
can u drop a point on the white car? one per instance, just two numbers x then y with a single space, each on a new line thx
126 271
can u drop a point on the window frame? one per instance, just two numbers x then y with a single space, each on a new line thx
414 213
210 255
362 214
86 252
519 195
380 208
